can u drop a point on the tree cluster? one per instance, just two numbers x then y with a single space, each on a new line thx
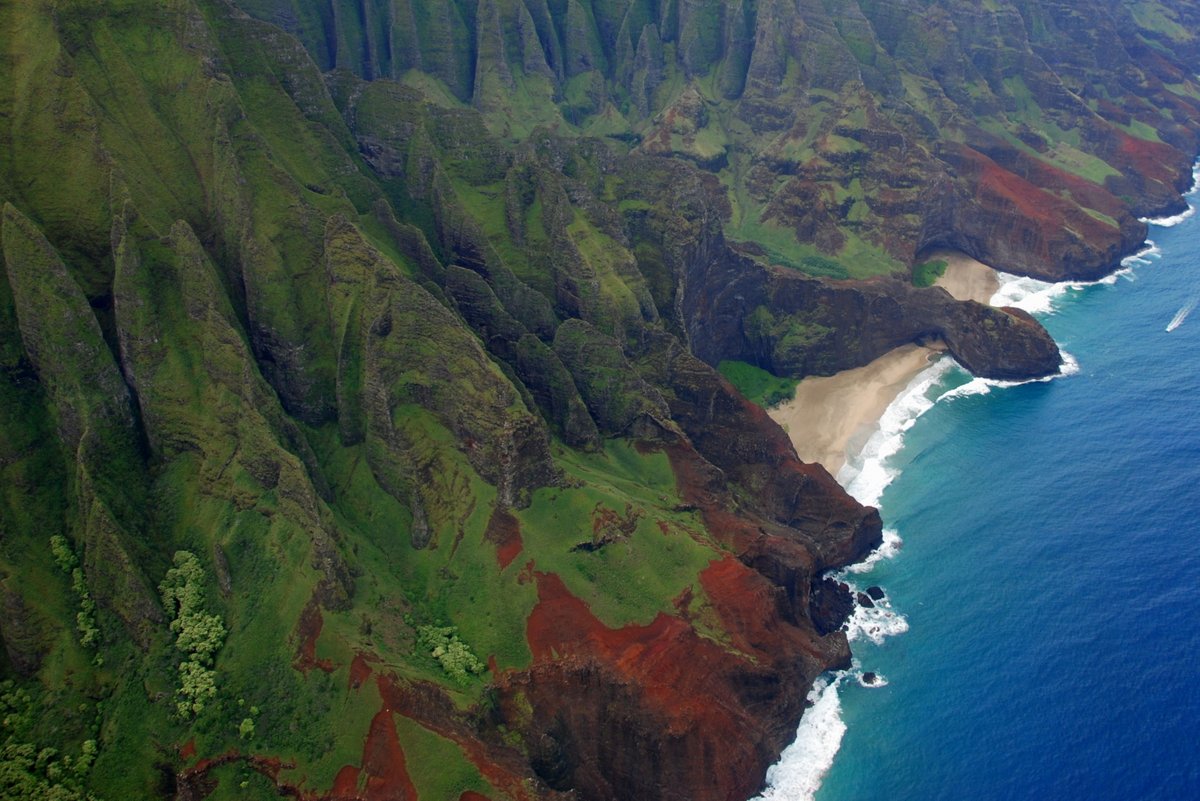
85 618
198 634
452 654
27 771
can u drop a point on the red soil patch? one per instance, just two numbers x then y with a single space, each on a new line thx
429 706
526 574
679 672
360 671
1027 200
1150 159
188 750
471 795
308 630
504 530
384 772
345 786
383 763
739 594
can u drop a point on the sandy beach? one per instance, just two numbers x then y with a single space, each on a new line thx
828 414
965 278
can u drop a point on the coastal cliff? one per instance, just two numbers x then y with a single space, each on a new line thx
360 428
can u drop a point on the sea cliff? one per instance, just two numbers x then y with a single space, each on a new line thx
362 435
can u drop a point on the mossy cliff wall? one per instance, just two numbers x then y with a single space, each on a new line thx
400 318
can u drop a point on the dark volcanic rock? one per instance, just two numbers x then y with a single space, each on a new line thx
831 604
796 325
875 593
865 601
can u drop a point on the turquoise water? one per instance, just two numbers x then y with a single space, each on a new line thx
1049 577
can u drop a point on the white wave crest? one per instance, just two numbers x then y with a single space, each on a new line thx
875 623
866 475
880 681
798 774
887 550
1029 294
982 386
1172 221
1149 250
1168 222
803 764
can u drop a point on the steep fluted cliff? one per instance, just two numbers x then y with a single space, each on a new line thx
359 430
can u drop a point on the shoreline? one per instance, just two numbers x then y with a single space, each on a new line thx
829 415
802 767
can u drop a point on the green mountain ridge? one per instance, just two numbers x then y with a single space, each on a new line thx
363 354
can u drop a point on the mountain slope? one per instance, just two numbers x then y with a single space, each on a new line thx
359 435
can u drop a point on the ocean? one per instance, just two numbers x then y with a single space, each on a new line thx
1039 637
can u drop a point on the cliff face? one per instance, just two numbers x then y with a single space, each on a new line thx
400 318
852 136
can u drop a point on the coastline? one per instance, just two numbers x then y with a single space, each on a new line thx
802 768
828 416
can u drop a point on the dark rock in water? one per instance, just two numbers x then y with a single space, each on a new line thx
876 593
830 605
869 678
865 601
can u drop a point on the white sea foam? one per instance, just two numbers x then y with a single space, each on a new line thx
880 681
982 386
1149 251
1182 314
1168 222
875 623
1029 294
1172 221
868 474
803 765
890 547
798 773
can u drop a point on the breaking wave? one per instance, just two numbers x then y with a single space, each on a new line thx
1170 222
803 764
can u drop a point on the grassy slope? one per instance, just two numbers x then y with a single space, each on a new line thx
220 189
218 433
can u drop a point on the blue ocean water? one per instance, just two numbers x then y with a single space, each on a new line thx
1049 577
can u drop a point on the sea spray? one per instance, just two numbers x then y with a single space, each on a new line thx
803 764
1176 219
802 769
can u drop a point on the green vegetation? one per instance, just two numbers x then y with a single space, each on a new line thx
757 384
455 657
28 771
198 635
357 356
85 619
928 272
439 768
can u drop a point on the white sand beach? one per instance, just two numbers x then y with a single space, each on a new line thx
827 414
